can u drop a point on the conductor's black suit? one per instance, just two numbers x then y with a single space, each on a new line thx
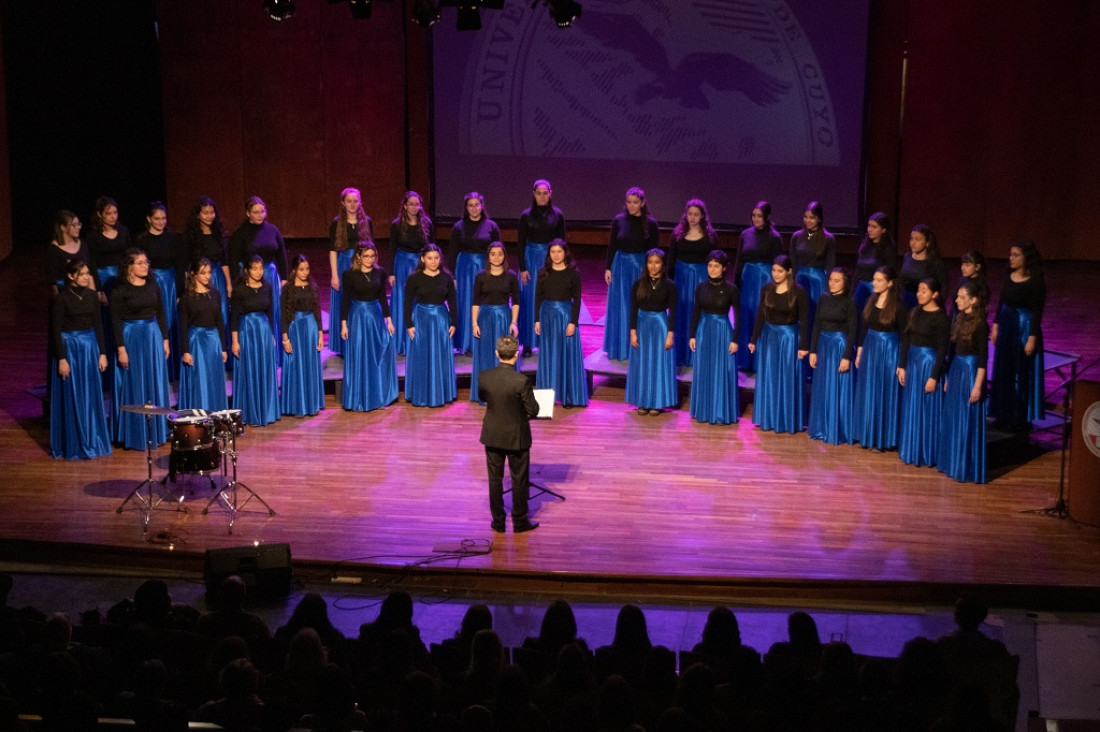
506 433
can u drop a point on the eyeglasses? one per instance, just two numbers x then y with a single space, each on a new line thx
141 262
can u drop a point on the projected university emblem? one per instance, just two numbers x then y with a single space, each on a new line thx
721 81
1090 428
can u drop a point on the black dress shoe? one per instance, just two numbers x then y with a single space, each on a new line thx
525 526
498 526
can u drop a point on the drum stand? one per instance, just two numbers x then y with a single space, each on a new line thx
149 500
229 493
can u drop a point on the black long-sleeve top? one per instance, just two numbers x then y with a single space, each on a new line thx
874 321
559 285
716 297
977 345
299 299
352 233
263 239
473 237
804 245
1029 295
108 252
137 302
538 224
784 308
871 257
927 330
202 310
757 245
211 246
500 289
689 251
914 270
165 251
837 314
247 299
355 284
631 235
409 238
426 289
656 296
75 309
57 258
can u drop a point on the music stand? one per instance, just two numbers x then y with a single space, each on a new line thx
150 500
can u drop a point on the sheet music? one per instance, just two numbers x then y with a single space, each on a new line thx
545 398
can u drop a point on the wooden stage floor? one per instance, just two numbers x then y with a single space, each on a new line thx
656 506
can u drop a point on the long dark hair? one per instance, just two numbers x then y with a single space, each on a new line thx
193 274
893 298
933 250
771 288
1033 263
847 280
937 297
192 229
887 238
644 279
430 247
363 225
423 223
60 220
704 223
818 211
242 278
966 324
548 266
472 195
102 204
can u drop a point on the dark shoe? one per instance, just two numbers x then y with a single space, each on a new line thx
498 526
643 412
655 412
525 526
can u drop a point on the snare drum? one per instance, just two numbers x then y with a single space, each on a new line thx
228 423
191 430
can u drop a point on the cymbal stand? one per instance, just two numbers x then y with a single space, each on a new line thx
150 500
229 494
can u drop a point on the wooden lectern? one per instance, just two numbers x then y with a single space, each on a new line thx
1084 454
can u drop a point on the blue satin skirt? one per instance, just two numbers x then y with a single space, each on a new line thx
534 258
919 433
561 362
877 391
467 268
779 404
145 382
1017 391
625 271
78 423
370 366
651 372
108 278
202 385
271 272
255 384
961 453
404 264
714 397
831 418
688 277
343 264
303 389
217 282
493 320
861 293
813 280
753 277
430 364
166 280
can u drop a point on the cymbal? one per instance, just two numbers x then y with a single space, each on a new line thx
146 409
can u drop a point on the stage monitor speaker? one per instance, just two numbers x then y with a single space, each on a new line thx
265 569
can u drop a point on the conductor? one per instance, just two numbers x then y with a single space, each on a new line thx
506 433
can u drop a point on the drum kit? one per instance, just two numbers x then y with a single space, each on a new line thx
201 442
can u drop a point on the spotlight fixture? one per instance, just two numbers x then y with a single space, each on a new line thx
425 13
469 16
360 9
279 9
563 12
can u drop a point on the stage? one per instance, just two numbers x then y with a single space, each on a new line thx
656 506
